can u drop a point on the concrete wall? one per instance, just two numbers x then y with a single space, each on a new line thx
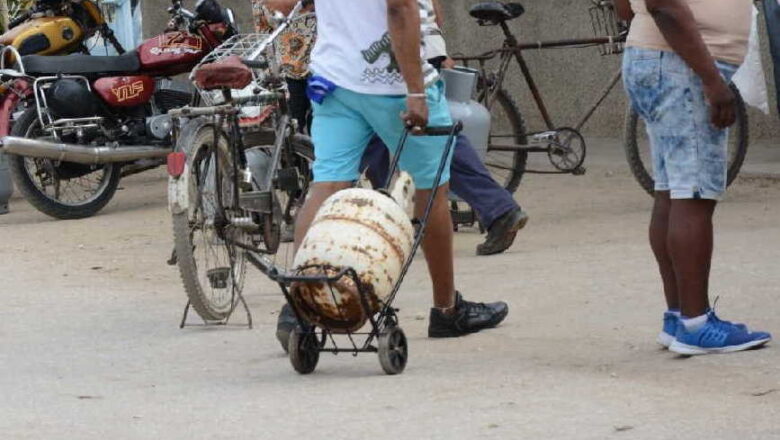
569 79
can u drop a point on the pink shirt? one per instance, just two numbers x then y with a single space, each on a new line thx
724 26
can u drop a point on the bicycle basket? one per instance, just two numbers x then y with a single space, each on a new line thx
245 46
606 24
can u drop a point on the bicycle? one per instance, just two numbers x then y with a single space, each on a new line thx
227 199
565 146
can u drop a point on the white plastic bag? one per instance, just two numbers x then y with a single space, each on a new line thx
750 78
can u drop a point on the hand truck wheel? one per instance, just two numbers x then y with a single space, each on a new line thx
304 350
393 350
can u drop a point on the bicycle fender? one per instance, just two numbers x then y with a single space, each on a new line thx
178 193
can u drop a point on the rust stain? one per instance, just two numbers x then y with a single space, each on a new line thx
360 202
316 304
391 241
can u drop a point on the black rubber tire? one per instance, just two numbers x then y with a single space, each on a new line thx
520 158
393 350
40 201
642 172
303 349
200 132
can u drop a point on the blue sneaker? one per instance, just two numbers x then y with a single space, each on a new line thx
717 336
671 322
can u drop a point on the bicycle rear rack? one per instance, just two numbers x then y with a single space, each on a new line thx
606 24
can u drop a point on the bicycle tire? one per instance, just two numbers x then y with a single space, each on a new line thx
198 134
38 198
641 171
286 203
519 159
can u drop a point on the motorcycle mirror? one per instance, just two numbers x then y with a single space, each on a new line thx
231 18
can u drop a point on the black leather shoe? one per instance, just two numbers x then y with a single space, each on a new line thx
284 325
503 232
469 317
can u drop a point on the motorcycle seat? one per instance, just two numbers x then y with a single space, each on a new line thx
496 12
78 64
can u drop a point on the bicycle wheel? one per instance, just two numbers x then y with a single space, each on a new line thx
637 146
212 269
507 127
288 199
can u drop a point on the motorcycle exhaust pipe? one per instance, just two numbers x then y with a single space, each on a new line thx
88 155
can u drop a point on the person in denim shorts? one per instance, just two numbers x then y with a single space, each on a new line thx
679 59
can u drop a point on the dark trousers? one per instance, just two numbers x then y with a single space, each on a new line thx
469 179
300 106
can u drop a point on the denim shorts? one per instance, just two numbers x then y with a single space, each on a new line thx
346 121
689 153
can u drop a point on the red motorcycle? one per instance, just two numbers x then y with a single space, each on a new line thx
81 122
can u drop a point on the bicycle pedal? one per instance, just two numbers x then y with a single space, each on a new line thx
218 277
256 201
245 180
547 136
246 223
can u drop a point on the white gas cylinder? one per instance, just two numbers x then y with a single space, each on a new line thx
360 229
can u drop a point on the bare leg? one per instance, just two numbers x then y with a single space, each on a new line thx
318 193
659 233
437 246
690 248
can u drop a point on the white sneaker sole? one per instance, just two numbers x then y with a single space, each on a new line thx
693 350
665 339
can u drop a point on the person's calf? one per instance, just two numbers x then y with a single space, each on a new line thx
690 242
437 245
659 235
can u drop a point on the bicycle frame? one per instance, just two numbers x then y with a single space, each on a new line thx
513 50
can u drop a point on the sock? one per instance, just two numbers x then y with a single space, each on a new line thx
694 324
675 312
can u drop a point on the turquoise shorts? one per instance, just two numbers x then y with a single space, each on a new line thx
346 121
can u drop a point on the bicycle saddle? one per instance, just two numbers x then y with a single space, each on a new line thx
496 12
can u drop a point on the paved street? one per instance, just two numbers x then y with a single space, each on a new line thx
91 347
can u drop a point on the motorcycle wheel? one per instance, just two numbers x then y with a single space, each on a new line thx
63 190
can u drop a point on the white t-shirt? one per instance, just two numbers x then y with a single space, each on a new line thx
354 51
433 40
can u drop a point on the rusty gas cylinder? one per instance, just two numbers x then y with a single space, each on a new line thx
360 229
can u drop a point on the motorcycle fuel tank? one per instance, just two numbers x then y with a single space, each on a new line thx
44 36
172 53
125 91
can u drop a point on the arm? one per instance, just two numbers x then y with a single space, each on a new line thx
403 20
439 11
678 25
448 63
283 6
624 10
